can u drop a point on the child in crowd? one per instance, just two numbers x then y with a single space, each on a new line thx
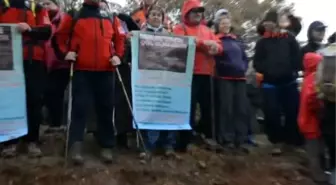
309 117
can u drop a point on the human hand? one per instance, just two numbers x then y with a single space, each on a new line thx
23 27
212 46
70 56
115 61
209 43
213 49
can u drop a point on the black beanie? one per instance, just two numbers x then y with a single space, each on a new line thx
271 16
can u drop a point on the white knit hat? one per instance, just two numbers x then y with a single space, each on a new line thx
219 13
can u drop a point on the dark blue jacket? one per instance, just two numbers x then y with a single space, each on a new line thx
233 62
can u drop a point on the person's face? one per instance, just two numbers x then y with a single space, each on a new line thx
49 5
155 18
318 34
195 16
284 22
103 6
224 25
269 25
148 2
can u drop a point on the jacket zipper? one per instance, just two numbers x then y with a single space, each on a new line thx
96 44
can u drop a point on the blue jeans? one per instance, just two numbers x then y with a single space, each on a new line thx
158 138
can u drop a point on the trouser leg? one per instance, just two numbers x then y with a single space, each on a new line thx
272 115
35 75
81 93
226 126
204 99
57 82
290 104
240 111
103 96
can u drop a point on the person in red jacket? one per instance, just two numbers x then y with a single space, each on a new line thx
139 14
58 73
95 45
35 29
309 116
207 45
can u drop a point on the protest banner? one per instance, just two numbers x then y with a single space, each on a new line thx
162 69
13 119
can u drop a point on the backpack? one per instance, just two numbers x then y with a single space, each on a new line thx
325 75
76 15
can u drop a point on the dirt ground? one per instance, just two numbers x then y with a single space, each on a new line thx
201 167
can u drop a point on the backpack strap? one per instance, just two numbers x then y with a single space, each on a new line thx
75 18
4 5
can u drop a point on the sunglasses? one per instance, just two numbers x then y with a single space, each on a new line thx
197 10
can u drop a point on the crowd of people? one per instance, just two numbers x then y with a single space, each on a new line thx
86 47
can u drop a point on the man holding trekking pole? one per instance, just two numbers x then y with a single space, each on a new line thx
85 38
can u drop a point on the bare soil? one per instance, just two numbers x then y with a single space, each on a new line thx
200 167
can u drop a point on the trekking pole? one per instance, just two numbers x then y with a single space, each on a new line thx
114 105
131 109
212 100
69 110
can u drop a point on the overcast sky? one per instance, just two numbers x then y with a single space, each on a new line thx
309 10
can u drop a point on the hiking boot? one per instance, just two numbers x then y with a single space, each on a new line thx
9 151
244 148
191 148
170 153
276 150
75 153
252 142
34 150
145 156
106 155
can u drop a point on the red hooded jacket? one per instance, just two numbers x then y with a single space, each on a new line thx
92 37
34 40
204 62
308 118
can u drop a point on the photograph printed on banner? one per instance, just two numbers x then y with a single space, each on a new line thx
6 53
164 53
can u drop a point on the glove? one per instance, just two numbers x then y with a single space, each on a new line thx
260 78
23 27
115 61
70 56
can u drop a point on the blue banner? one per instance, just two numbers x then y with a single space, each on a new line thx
162 69
13 119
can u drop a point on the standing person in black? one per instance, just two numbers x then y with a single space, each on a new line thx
277 59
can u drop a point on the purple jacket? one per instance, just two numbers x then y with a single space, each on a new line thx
233 62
